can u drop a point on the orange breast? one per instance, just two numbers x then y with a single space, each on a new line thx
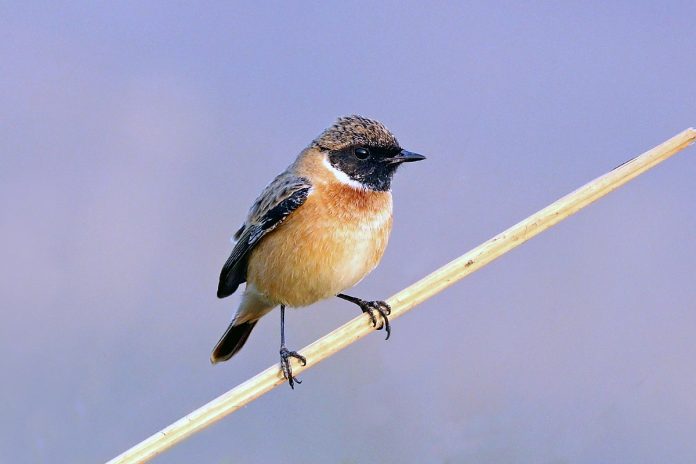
328 245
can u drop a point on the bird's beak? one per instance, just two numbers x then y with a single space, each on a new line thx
406 157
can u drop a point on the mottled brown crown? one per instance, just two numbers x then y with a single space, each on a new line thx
355 131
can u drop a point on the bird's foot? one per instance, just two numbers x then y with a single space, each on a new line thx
285 356
382 308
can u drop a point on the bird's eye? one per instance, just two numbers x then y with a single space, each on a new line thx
362 153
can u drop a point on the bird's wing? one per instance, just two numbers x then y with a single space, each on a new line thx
284 195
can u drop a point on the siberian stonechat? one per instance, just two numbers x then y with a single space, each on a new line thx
316 230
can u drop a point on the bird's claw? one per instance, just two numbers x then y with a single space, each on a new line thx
285 356
383 309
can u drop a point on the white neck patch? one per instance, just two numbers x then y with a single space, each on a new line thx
341 176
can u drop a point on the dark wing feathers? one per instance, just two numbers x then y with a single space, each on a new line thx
283 196
239 232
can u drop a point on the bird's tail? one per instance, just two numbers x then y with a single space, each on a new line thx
232 341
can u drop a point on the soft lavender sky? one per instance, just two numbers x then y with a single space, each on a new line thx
134 136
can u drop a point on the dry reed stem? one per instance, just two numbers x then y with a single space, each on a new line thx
406 299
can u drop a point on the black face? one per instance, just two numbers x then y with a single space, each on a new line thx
373 167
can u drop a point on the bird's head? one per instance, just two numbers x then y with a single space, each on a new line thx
364 151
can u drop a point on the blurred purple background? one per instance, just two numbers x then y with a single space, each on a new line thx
134 137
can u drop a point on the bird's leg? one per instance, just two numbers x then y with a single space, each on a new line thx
285 354
370 307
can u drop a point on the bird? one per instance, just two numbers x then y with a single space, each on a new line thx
316 230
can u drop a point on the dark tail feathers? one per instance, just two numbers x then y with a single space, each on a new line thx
232 341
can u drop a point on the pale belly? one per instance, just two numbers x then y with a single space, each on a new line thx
306 261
